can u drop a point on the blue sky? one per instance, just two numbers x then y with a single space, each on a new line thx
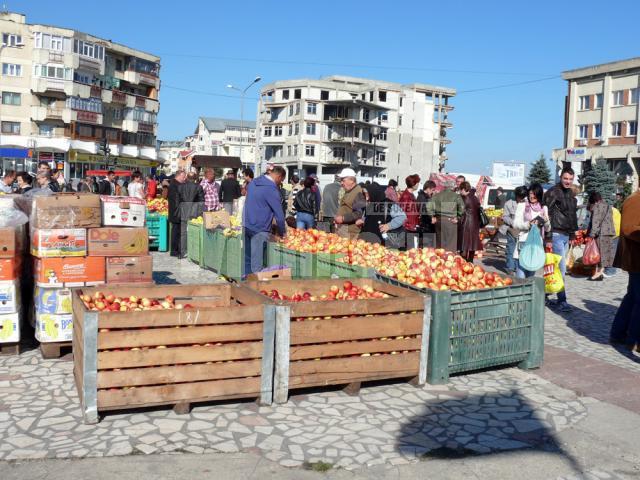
466 45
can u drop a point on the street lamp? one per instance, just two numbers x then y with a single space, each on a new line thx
242 94
375 131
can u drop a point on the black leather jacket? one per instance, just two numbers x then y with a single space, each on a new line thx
563 210
306 202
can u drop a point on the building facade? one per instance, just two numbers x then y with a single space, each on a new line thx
381 129
64 92
169 153
601 118
224 137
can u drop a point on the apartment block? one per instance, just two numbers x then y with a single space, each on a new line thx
65 91
381 129
224 137
601 117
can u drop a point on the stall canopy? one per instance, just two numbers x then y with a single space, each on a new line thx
215 161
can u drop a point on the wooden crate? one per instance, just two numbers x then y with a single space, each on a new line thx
314 350
222 348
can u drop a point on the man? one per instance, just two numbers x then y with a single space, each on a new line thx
508 230
445 208
563 206
294 180
24 182
427 228
44 167
108 185
262 206
625 329
86 185
174 198
459 180
6 185
331 201
152 187
352 205
191 204
247 176
211 191
316 189
500 199
229 191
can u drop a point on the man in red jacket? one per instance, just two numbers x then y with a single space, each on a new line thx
411 208
152 187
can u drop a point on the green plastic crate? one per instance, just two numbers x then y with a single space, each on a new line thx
213 249
158 231
195 239
484 328
302 264
328 266
232 257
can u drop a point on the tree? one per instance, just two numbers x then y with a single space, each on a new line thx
602 180
539 172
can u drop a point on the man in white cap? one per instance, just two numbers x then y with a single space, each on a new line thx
352 205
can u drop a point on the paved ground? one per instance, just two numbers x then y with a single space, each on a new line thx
542 417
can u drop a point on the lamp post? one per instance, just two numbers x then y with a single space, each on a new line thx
242 94
375 131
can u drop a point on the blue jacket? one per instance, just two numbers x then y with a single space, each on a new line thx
262 205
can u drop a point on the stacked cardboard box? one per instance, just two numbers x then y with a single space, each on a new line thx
11 250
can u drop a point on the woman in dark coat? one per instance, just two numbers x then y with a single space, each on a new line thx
469 227
383 218
603 232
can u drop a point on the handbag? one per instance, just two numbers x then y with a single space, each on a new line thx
532 255
484 219
591 254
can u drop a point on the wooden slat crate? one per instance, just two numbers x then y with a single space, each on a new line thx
347 342
222 348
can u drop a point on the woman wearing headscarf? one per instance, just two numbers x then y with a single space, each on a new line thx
529 214
410 206
602 231
469 226
383 219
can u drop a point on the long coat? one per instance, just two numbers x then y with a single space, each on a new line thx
469 229
603 231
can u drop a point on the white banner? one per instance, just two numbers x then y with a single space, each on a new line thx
512 173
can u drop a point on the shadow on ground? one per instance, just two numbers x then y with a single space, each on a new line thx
164 278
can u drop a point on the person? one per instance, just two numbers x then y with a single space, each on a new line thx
331 202
426 227
6 185
173 196
619 201
306 206
529 214
392 191
152 187
410 207
602 231
316 189
296 186
562 205
611 271
351 206
211 191
242 200
166 183
229 191
108 185
191 204
383 219
124 187
44 167
446 208
58 177
508 230
86 185
43 184
247 175
136 186
469 226
24 182
500 199
625 329
459 180
262 206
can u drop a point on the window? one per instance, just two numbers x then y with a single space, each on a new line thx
399 120
616 129
285 94
632 129
11 127
384 117
11 40
312 108
277 131
86 104
88 49
371 96
582 131
290 129
382 96
338 152
267 131
617 98
52 42
296 128
633 96
584 102
10 98
291 110
297 108
599 100
401 101
324 94
12 69
310 150
365 115
597 130
381 156
295 150
52 71
46 130
297 93
288 150
382 135
311 128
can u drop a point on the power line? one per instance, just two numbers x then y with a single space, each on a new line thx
507 85
201 92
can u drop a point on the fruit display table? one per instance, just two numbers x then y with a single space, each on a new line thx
143 346
157 225
331 266
302 264
195 239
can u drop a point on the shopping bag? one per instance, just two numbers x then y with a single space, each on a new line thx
571 258
591 253
532 256
484 218
553 282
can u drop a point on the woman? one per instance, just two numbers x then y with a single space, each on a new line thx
136 187
509 230
531 213
306 206
469 226
383 219
411 208
391 193
427 228
603 232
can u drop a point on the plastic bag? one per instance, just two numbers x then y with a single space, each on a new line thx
532 256
553 282
591 253
571 258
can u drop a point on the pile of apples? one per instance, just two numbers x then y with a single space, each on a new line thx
158 205
102 302
349 291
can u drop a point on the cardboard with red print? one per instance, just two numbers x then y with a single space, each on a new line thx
123 211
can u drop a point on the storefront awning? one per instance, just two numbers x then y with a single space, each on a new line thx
215 161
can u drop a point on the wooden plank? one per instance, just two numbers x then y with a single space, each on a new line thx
10 348
360 307
183 336
283 341
352 389
306 352
364 366
179 355
424 347
354 328
268 354
175 393
130 377
158 291
341 378
52 350
182 408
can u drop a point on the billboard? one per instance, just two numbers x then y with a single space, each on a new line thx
508 172
576 155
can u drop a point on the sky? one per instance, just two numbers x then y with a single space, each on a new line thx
504 58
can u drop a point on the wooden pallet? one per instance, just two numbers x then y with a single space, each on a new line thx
10 348
51 350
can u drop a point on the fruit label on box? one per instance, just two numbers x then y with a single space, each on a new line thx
54 328
8 297
53 300
8 268
66 211
111 241
123 211
10 328
59 242
69 271
130 269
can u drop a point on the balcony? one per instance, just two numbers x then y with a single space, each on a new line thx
95 91
39 114
145 127
87 117
91 65
137 78
82 131
118 97
151 105
53 86
130 126
44 57
81 90
140 102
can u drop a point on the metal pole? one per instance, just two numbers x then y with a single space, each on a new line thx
242 121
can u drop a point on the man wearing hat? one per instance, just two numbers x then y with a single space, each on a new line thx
352 205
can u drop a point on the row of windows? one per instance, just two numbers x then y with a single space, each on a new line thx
12 128
12 69
139 114
616 129
11 98
617 99
52 71
294 129
324 95
86 104
11 40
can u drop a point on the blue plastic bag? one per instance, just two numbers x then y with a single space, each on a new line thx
532 255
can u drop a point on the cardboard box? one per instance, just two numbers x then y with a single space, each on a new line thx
10 328
54 328
112 241
59 242
8 242
66 210
280 274
9 268
216 219
123 211
9 297
69 271
53 300
129 270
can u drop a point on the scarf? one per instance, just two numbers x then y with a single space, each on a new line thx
531 211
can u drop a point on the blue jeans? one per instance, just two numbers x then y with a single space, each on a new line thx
560 243
255 244
511 247
522 273
626 324
305 221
